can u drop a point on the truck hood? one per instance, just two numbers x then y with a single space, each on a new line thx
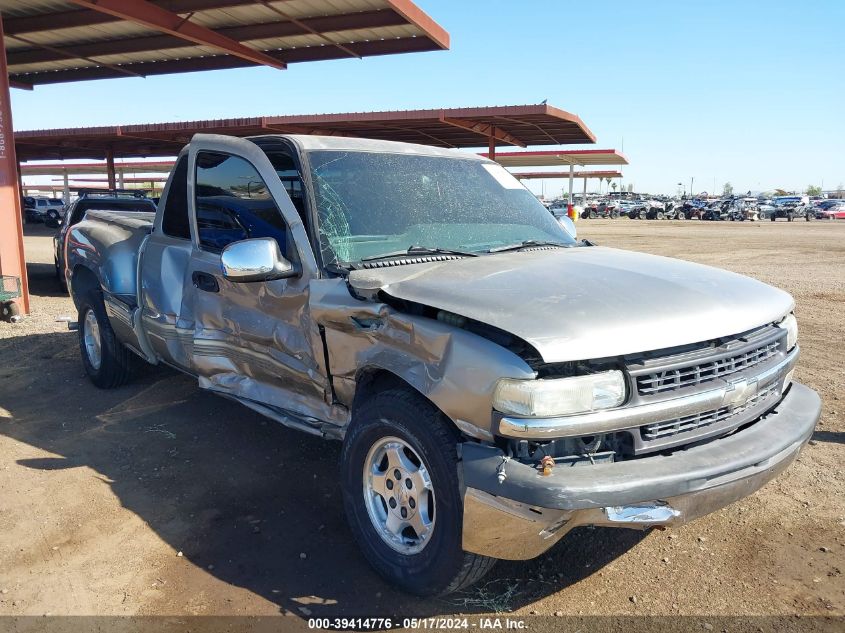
587 302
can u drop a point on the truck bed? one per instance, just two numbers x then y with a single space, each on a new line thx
108 242
128 219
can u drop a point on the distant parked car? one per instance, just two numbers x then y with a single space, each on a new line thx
44 209
832 212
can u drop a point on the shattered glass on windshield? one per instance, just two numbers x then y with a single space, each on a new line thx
371 204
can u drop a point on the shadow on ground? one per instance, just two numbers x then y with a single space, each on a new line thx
829 436
241 496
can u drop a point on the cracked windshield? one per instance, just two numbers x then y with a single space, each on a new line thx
372 205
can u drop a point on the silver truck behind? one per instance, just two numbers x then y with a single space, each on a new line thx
495 382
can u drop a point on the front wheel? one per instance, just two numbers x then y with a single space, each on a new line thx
106 360
399 468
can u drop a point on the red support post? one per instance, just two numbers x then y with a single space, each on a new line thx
110 169
491 147
12 258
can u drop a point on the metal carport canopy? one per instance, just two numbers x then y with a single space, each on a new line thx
521 125
561 158
570 158
48 41
533 175
53 41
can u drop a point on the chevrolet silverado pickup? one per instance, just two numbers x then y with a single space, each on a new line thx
495 382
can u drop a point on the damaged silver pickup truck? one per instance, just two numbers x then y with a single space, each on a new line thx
495 382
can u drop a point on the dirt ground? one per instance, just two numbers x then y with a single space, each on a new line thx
159 499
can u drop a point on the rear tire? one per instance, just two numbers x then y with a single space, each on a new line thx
60 278
434 564
106 360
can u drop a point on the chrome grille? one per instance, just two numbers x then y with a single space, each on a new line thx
672 379
660 430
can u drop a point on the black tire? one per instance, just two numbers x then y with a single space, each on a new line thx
8 311
593 214
789 217
660 215
60 278
773 217
442 566
614 214
115 367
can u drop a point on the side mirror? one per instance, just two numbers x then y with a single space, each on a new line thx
569 226
52 223
257 259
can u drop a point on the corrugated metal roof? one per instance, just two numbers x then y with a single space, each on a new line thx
523 125
50 41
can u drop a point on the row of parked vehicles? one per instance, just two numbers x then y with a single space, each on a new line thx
739 209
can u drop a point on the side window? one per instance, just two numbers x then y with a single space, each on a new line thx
174 222
218 227
233 203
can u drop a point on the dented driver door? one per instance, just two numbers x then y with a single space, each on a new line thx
254 340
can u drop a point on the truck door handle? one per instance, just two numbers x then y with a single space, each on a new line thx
204 281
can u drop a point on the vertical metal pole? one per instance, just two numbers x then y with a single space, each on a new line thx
584 201
491 148
571 176
110 168
12 258
66 188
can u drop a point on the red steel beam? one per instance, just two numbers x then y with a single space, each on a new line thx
20 85
484 129
79 17
219 62
265 30
110 174
422 21
69 54
154 17
12 258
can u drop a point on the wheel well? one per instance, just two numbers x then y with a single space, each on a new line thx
82 281
372 380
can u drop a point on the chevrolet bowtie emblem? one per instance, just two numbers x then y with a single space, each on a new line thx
739 391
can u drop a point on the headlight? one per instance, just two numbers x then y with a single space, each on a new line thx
560 396
789 324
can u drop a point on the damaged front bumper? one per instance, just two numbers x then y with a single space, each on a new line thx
513 512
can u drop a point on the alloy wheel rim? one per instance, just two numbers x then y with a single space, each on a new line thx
399 495
91 338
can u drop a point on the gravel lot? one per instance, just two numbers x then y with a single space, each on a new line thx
158 499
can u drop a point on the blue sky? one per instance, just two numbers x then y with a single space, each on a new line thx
751 92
